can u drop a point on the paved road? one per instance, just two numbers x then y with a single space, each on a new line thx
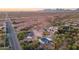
12 37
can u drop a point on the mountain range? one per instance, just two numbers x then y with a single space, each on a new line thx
60 10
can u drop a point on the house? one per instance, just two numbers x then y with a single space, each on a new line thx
45 43
45 40
29 36
52 29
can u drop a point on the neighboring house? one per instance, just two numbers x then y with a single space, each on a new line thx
29 36
45 40
45 43
52 29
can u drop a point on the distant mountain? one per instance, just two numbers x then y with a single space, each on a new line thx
60 10
77 10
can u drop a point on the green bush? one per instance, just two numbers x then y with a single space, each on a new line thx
67 34
21 35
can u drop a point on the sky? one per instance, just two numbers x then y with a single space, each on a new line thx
38 4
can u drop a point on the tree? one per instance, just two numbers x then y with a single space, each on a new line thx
30 46
69 35
21 35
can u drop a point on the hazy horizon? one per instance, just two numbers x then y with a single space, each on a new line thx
19 9
30 9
